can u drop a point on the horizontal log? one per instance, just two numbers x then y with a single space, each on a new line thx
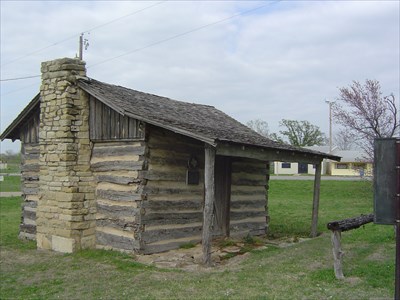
250 227
243 204
30 191
169 234
170 191
248 192
117 165
154 175
118 242
240 215
27 228
115 211
118 223
118 150
31 155
351 223
248 182
117 179
172 205
163 247
171 218
166 161
118 195
30 168
30 177
28 214
27 203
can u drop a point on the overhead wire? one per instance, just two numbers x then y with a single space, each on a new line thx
157 42
184 33
86 31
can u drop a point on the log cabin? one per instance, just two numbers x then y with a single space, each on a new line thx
104 166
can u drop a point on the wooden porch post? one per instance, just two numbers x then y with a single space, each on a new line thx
209 184
317 185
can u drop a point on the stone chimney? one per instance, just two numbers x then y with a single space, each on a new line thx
66 209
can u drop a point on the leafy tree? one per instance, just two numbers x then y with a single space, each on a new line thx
366 114
301 133
259 126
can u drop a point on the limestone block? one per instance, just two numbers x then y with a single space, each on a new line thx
42 241
88 242
62 244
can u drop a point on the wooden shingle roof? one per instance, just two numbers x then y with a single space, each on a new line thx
202 122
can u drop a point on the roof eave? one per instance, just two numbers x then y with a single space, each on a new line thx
8 132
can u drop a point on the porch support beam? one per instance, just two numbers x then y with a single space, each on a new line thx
265 154
209 184
317 186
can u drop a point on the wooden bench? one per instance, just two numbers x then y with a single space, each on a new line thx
337 227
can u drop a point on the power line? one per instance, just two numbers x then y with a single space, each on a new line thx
86 31
20 78
163 40
185 33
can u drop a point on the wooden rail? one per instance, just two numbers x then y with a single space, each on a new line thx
337 227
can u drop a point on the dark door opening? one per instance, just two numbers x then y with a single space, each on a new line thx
222 195
303 168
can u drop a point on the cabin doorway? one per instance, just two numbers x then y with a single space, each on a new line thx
222 195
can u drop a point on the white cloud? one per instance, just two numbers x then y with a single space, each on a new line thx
280 61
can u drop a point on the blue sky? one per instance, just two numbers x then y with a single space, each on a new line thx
279 62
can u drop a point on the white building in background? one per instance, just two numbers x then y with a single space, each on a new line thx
3 165
353 163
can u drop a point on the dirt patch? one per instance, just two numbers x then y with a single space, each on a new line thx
225 254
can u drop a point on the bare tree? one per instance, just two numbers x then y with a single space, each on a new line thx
259 126
344 139
366 114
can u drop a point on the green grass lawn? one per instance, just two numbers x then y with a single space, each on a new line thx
301 271
10 184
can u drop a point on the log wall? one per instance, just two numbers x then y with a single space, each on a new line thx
117 167
30 189
172 209
248 213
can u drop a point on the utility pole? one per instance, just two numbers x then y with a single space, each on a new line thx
330 124
82 42
80 56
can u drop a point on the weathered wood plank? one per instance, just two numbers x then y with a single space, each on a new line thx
209 186
163 247
240 215
155 175
315 207
118 223
117 165
350 223
116 211
337 254
163 218
246 181
250 227
117 179
118 195
27 214
170 191
247 204
27 228
118 242
111 150
164 206
170 234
